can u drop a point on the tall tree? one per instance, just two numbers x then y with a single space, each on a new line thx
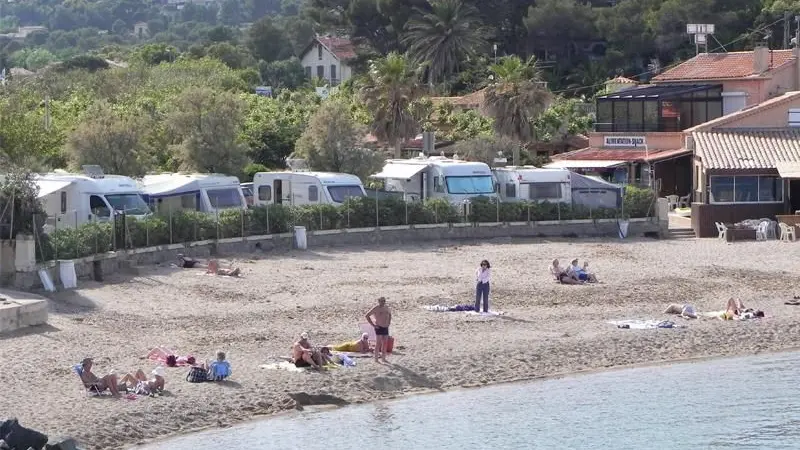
332 142
444 35
514 98
267 40
389 92
207 123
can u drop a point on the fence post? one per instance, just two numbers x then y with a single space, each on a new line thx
269 230
216 214
377 213
320 218
348 215
147 232
559 211
242 217
497 208
405 202
170 225
436 213
529 213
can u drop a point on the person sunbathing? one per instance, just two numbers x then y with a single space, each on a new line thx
732 309
303 354
359 346
685 311
562 275
582 273
139 384
92 381
212 267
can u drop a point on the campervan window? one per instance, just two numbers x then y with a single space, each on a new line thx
225 198
341 193
189 201
63 202
98 206
313 194
128 203
475 184
544 191
511 190
265 193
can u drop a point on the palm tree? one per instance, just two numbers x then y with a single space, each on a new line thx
514 98
390 91
444 36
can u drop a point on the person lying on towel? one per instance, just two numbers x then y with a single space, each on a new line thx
359 346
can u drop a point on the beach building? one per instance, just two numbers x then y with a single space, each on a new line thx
327 57
641 130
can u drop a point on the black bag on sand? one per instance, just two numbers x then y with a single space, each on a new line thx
197 375
18 437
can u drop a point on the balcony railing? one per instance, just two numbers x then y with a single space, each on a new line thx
663 127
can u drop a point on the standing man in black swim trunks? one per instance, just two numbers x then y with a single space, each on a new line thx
380 317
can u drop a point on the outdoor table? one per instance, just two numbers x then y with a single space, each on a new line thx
740 234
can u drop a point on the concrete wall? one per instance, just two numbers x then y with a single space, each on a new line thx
97 266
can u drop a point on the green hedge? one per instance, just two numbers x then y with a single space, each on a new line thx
189 226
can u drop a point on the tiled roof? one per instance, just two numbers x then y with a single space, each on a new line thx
342 48
620 80
747 149
629 155
719 66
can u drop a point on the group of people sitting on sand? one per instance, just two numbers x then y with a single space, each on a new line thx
212 266
734 310
573 273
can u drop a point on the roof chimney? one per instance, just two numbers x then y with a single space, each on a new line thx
760 58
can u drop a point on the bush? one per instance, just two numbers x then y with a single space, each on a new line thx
188 226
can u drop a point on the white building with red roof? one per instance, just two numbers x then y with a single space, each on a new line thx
327 57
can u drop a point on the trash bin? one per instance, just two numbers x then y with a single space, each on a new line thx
623 228
300 238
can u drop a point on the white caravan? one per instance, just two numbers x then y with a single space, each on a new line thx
437 177
305 188
195 192
74 199
529 183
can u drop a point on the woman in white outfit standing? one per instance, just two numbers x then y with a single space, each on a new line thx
482 276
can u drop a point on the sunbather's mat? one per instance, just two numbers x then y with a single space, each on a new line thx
636 324
486 314
282 365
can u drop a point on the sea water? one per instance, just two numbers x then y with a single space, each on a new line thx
738 403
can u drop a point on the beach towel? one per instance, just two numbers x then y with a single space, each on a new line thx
283 365
161 354
446 308
486 314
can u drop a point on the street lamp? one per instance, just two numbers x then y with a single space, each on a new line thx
494 47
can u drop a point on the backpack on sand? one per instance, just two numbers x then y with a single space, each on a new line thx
196 375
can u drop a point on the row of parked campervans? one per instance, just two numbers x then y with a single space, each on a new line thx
74 199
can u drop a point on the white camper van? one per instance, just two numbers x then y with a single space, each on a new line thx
74 199
437 177
195 192
529 183
305 188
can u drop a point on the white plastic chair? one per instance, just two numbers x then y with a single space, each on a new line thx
722 229
672 201
685 201
787 232
762 231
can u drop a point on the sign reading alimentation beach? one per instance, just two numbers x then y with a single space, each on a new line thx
624 141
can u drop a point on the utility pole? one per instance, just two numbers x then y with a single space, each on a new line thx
786 30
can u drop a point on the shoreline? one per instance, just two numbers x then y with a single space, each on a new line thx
549 330
314 409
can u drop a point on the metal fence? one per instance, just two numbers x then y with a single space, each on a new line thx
78 234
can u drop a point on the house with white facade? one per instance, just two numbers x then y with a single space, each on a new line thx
326 58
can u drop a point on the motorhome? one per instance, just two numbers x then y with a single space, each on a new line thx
437 177
194 192
305 188
529 183
71 199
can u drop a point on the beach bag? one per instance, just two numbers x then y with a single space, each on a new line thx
171 361
196 375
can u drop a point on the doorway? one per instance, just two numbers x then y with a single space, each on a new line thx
277 187
794 195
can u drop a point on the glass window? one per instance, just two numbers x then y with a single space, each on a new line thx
620 116
699 113
604 119
308 71
686 115
319 51
128 203
189 201
333 71
770 189
650 116
721 189
225 198
98 206
265 193
63 202
313 194
544 191
477 184
320 72
714 109
511 190
746 189
341 193
636 115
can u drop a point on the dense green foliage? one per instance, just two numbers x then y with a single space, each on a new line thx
183 226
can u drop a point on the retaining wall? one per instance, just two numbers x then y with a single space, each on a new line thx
97 266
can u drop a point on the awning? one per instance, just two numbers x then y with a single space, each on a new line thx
400 171
790 170
47 187
582 164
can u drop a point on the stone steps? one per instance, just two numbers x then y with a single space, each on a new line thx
16 313
681 233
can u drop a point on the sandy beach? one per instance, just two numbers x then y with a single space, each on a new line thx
547 328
